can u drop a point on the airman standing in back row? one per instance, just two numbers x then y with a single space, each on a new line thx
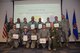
48 23
32 23
24 24
10 24
65 28
40 23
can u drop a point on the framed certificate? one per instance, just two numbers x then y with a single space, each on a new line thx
56 25
47 24
32 26
42 40
33 37
40 26
15 36
25 38
17 25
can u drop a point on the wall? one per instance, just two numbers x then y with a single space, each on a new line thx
70 5
5 7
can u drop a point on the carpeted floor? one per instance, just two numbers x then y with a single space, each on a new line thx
71 49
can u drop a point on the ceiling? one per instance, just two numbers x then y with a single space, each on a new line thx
9 0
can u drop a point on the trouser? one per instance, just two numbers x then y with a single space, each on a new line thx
53 42
66 38
26 44
33 44
13 42
49 43
16 43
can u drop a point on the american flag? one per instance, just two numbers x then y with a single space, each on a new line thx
5 33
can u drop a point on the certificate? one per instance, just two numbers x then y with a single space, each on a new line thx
15 36
25 27
32 26
47 24
25 38
17 25
56 25
40 26
42 40
33 37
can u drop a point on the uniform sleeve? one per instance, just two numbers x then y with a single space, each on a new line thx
39 34
21 25
36 24
48 33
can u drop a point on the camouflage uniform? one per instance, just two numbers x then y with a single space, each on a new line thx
33 22
26 43
54 38
44 34
23 24
11 32
33 42
65 28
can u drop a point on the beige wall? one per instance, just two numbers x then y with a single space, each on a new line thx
70 5
5 7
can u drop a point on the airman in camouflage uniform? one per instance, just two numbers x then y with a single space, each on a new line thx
26 32
24 24
48 21
32 22
13 42
65 28
44 33
34 42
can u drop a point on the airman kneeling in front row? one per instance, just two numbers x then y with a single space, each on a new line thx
14 37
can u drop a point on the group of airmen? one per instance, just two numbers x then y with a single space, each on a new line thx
32 34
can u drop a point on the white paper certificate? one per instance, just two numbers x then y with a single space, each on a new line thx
33 37
15 36
47 24
56 25
17 25
25 38
25 27
42 40
32 26
40 26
